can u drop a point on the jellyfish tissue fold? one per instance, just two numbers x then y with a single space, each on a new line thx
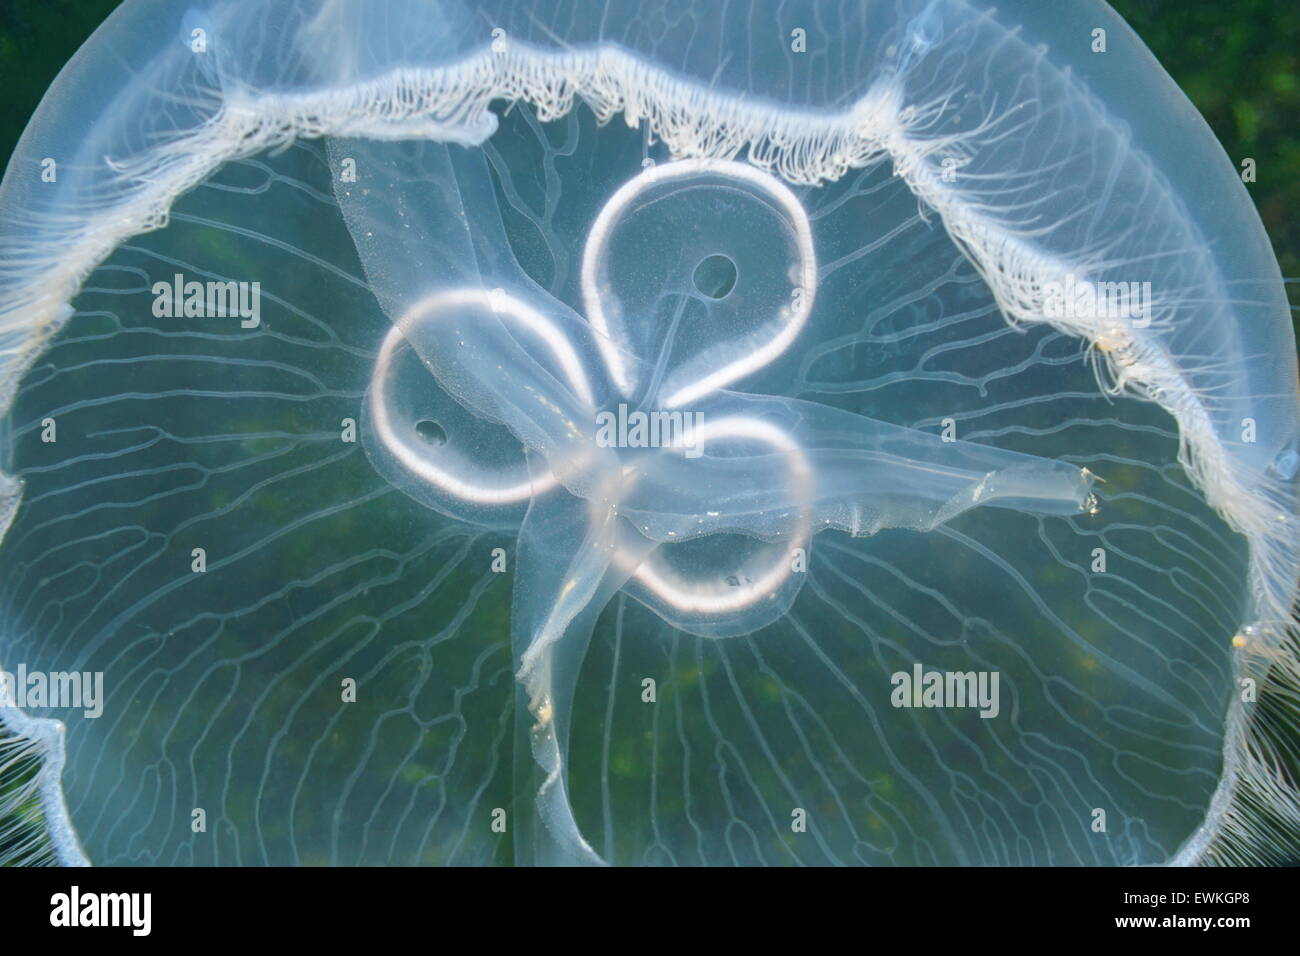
640 432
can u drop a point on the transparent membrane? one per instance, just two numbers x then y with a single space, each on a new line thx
677 646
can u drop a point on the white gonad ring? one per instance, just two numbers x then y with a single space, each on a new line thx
456 475
457 478
715 596
612 327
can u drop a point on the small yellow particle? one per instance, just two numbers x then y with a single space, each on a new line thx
1239 640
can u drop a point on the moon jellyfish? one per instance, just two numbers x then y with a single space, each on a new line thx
640 433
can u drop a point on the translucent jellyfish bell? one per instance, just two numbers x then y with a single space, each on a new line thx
503 433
